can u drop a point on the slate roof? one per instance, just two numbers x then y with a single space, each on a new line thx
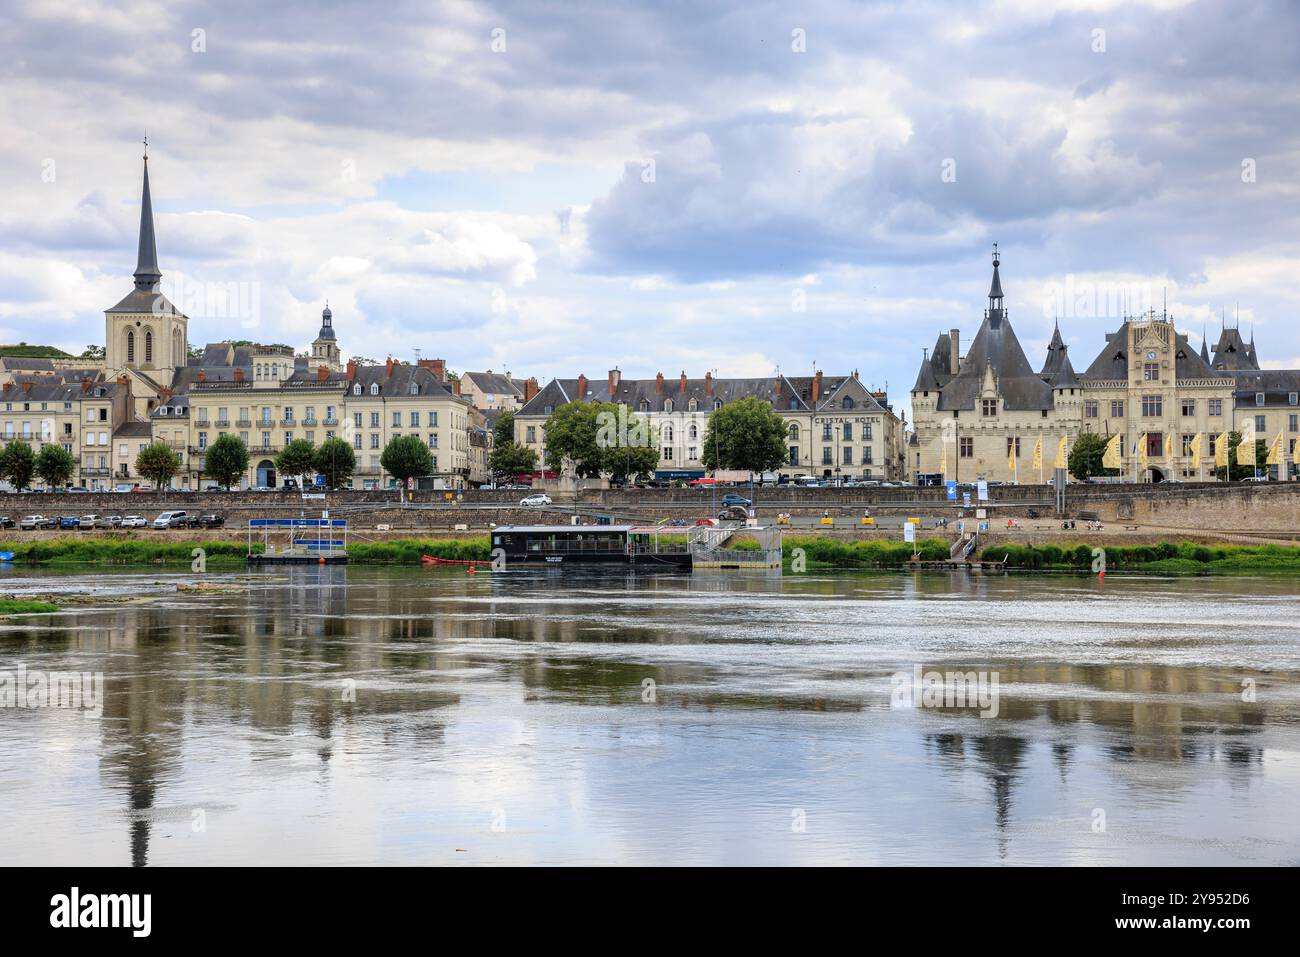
1113 360
996 347
397 384
1232 354
494 383
133 430
1276 384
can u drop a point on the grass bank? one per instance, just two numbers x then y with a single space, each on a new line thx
127 551
872 553
19 606
1165 557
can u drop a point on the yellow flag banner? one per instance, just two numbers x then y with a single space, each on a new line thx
943 458
1038 453
1275 451
1061 457
1011 459
1142 450
1221 451
1246 450
1195 447
1110 458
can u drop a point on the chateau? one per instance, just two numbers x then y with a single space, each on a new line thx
980 415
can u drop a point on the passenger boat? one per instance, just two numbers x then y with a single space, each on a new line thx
626 544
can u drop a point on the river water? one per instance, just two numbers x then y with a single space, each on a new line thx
399 716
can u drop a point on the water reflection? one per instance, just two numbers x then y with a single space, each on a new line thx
315 712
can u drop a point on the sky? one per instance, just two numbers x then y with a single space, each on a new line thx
563 188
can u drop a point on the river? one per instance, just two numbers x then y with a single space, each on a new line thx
398 716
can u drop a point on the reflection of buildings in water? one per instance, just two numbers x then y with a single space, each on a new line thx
1000 758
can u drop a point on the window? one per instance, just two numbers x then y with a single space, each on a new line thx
668 405
288 413
356 440
1215 406
1152 406
148 346
866 431
866 455
415 389
356 389
532 433
415 420
1013 443
794 455
692 432
692 454
433 419
1150 372
1117 408
1259 398
827 457
988 406
848 431
266 415
794 432
848 455
1155 444
1260 425
1290 399
966 447
1189 407
203 440
397 420
1090 408
1292 424
826 431
130 346
668 433
433 440
374 440
643 406
848 403
374 388
266 440
1187 444
692 405
288 437
717 404
374 420
667 454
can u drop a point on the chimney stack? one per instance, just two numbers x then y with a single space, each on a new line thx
614 378
954 343
708 383
27 386
322 373
531 389
582 386
239 374
817 387
203 376
85 386
659 384
439 367
683 380
388 367
352 369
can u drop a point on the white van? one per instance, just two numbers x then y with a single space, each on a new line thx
164 519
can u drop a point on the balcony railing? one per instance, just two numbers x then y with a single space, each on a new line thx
223 423
331 420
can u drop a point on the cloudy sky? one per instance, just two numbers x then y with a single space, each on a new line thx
555 188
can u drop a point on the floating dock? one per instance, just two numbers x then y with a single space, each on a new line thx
305 541
685 547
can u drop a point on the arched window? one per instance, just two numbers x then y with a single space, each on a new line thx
794 432
148 346
668 433
691 406
692 433
374 388
848 403
644 405
356 389
717 404
130 345
668 405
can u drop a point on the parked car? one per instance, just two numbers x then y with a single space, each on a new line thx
211 521
135 521
733 513
124 487
69 521
48 522
6 521
731 498
533 501
111 521
30 522
164 519
91 521
184 521
1256 478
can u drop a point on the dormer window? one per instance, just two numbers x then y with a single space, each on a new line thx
643 406
374 388
415 389
668 405
1259 398
356 389
848 403
691 405
717 404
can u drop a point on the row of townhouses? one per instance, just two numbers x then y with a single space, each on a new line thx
980 415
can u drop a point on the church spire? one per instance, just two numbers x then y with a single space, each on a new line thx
147 274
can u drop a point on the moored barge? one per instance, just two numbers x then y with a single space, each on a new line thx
625 544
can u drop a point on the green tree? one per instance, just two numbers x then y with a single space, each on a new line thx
157 463
406 457
508 459
336 461
92 351
226 460
17 464
55 465
296 459
571 436
504 430
1086 455
746 434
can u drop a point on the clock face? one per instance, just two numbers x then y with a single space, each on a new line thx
1151 355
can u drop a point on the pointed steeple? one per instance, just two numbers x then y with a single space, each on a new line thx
147 274
1205 352
995 290
1055 352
